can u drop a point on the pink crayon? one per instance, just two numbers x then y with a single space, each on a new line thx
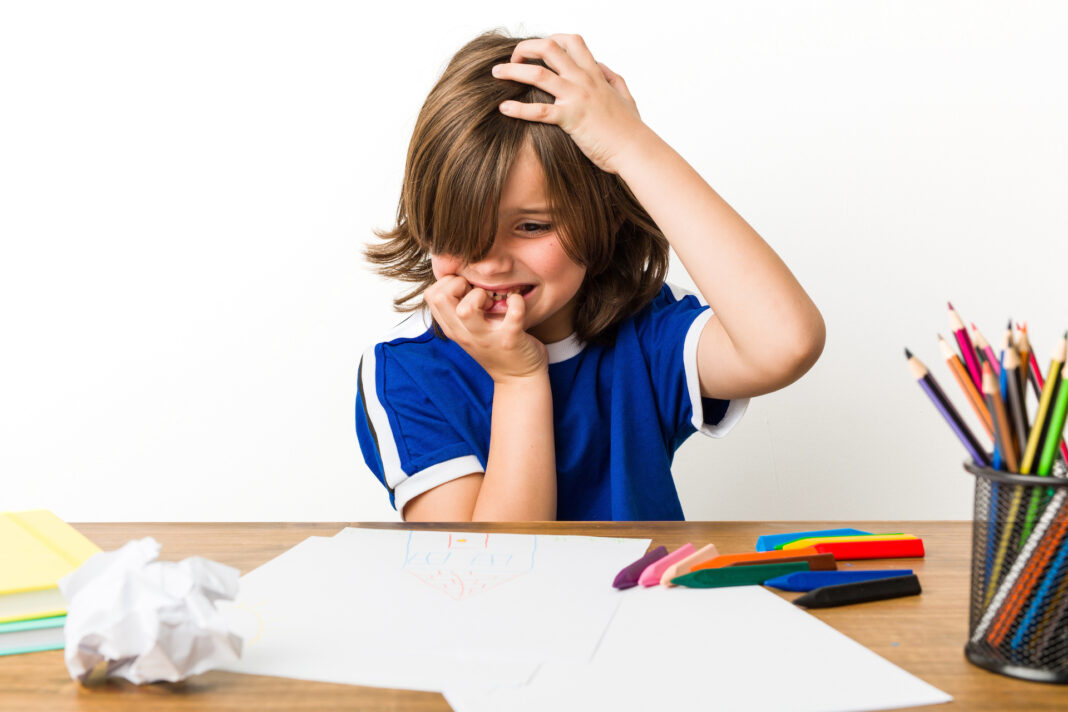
683 567
651 576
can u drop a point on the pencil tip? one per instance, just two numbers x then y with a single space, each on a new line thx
1009 325
908 354
950 304
974 327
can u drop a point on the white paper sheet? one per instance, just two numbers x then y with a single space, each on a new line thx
420 610
731 649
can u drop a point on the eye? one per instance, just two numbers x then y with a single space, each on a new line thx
531 228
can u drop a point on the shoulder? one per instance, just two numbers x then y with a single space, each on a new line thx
411 361
672 308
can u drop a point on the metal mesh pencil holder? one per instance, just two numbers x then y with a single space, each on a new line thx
1018 623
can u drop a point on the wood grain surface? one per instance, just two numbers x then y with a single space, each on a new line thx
923 634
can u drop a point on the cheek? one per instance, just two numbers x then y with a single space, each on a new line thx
444 265
569 274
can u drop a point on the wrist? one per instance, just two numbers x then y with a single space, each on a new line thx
641 143
522 381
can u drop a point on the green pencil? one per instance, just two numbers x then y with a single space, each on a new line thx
1056 428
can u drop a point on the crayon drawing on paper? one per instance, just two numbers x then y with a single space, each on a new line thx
463 565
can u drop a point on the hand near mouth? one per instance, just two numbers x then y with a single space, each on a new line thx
500 344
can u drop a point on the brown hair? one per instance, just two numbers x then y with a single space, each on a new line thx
460 153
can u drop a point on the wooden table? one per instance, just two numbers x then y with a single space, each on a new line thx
923 634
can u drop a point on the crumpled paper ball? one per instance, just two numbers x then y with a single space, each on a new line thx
147 620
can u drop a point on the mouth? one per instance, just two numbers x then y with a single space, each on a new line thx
504 292
499 296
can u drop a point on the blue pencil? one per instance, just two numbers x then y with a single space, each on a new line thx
1038 603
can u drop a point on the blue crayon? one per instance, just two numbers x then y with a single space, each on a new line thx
811 580
768 542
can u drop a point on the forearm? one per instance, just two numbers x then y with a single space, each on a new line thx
520 479
761 305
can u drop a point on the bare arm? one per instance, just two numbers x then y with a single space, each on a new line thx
519 483
766 331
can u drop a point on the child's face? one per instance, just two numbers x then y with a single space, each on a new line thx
526 256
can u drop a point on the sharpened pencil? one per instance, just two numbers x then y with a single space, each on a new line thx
967 351
948 411
982 346
1016 407
1002 428
1045 401
1057 416
966 385
1023 347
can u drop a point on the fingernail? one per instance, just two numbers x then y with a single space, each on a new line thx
496 70
507 106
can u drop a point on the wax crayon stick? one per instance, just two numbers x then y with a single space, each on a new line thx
809 580
737 575
860 592
683 566
770 542
628 577
653 572
885 549
805 543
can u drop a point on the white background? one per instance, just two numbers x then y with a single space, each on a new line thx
185 189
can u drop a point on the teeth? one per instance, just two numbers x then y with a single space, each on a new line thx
502 295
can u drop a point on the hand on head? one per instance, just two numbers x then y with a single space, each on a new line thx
593 104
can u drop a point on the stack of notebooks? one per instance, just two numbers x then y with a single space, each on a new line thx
37 549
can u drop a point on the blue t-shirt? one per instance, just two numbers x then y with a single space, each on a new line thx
620 411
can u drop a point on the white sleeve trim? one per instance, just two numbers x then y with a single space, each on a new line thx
735 407
426 480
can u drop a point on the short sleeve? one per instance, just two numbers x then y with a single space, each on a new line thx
406 440
669 334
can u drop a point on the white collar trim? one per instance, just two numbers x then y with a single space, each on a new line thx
564 349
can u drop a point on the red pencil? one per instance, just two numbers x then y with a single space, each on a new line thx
967 351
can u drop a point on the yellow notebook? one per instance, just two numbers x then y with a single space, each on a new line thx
37 548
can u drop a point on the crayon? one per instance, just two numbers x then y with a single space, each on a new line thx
809 580
860 592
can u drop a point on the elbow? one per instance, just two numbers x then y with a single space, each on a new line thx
806 345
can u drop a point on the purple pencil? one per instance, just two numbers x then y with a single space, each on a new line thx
938 397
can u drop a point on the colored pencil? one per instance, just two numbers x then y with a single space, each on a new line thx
1002 428
1056 428
1023 346
1045 402
1055 613
1045 590
949 412
982 346
966 385
1032 362
994 602
966 349
1017 409
1036 442
1025 583
1003 389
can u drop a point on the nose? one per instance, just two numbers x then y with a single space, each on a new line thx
497 261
